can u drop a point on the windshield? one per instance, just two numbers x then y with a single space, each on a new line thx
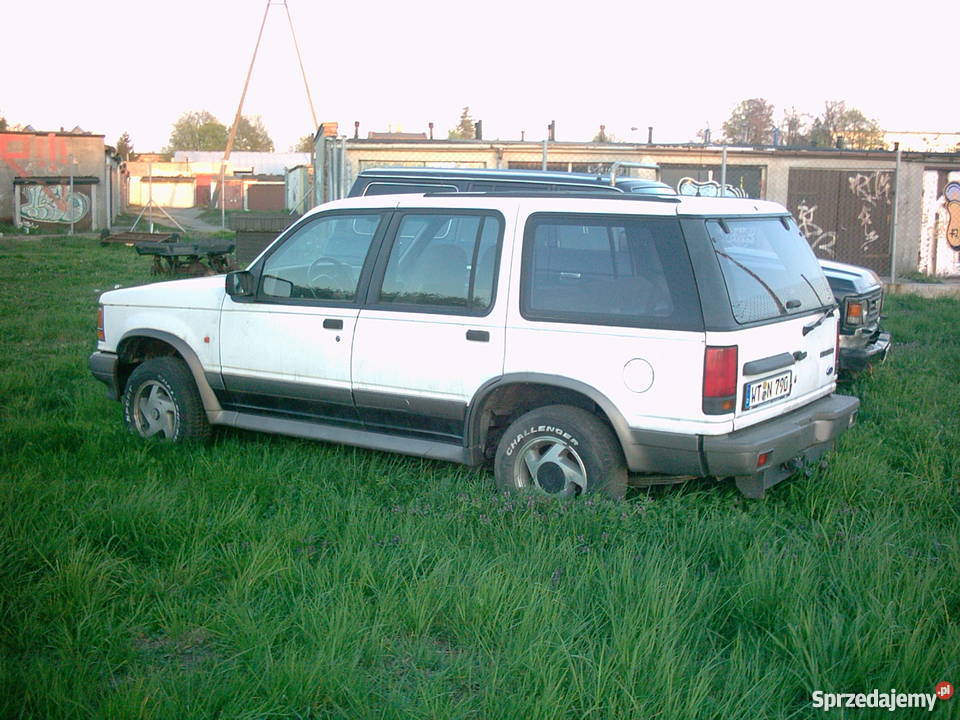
769 269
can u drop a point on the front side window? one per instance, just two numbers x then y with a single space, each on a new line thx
443 261
769 268
608 270
322 260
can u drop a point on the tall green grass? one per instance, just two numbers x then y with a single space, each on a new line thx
268 577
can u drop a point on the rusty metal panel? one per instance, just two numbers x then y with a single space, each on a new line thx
865 214
845 215
261 197
812 196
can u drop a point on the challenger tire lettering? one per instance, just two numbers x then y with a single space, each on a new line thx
559 432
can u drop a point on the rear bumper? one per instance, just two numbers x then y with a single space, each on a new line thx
799 436
104 368
855 359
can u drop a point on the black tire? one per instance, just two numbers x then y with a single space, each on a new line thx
161 400
561 451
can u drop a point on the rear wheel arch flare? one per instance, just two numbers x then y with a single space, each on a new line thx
534 390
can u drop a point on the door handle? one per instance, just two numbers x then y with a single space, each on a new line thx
478 335
331 324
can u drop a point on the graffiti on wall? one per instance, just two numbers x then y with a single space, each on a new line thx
707 188
53 204
822 242
951 196
874 193
940 223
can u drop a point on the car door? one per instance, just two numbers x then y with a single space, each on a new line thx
287 349
432 330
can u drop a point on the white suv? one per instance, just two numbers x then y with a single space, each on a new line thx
570 339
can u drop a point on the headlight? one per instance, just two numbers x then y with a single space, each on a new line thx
855 310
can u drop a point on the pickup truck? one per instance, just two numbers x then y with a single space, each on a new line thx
859 293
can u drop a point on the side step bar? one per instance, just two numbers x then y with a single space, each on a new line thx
346 436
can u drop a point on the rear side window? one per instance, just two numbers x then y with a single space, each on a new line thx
443 262
768 267
608 270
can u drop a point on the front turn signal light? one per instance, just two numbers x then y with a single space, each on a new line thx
855 313
101 335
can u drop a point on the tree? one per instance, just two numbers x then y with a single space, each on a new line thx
3 123
858 131
463 131
795 128
603 136
125 146
197 131
750 123
703 136
252 135
304 144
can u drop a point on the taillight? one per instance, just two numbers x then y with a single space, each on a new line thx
719 380
854 312
101 336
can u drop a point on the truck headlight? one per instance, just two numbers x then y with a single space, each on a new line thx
855 312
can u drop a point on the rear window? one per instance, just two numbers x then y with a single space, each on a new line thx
768 267
608 270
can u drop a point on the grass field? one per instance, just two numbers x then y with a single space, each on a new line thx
267 577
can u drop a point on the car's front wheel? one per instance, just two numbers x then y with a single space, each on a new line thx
161 401
561 451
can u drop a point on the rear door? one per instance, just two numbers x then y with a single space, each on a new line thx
783 305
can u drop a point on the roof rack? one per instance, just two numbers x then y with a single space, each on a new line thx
593 195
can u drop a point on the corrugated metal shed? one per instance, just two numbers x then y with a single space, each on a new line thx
260 163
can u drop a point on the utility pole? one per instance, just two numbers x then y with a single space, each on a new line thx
231 138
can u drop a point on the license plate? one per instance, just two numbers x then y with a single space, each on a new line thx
762 392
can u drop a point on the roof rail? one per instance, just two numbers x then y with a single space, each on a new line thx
595 195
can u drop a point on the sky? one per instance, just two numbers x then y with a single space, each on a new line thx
114 66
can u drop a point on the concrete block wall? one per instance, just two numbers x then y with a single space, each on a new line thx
51 155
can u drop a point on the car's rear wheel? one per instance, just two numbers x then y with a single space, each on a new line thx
561 451
161 401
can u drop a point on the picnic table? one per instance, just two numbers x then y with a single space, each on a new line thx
203 257
130 238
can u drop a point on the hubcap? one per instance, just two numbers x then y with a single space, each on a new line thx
551 465
154 412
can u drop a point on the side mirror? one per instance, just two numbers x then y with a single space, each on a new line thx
241 283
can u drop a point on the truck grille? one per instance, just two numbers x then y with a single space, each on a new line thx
874 301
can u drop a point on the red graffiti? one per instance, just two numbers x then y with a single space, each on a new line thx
15 148
10 156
